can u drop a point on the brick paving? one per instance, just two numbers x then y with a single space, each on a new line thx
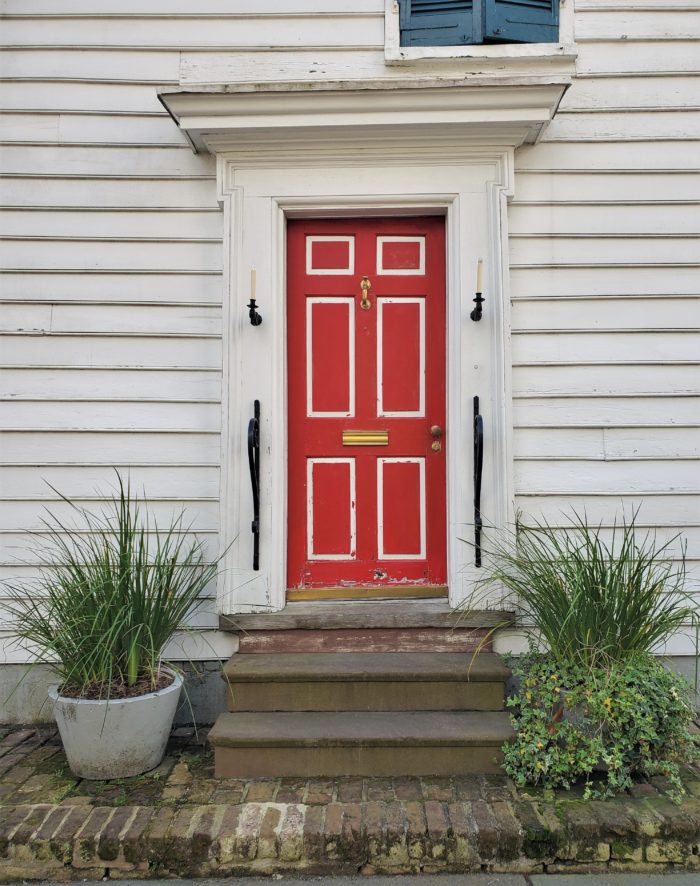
179 820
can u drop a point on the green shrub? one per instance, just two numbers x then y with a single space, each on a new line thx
602 725
113 590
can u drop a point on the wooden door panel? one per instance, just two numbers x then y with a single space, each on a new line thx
401 357
331 508
401 508
330 357
366 514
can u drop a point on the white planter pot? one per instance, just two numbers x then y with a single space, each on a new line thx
116 738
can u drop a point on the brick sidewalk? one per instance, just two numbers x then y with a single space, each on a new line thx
180 821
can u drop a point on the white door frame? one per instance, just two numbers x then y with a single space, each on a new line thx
259 192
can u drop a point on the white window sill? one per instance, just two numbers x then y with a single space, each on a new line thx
530 52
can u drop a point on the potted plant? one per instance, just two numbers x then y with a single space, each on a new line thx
113 590
593 702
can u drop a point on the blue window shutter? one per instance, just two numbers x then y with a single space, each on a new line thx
521 21
437 23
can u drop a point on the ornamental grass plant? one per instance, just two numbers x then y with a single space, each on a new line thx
592 601
112 591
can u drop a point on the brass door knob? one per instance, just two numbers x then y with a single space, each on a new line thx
436 433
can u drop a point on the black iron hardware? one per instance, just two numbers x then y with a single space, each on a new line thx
254 465
255 318
477 313
478 466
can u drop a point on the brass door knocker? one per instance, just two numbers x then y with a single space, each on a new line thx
365 285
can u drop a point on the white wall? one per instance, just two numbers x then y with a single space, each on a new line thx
111 315
604 278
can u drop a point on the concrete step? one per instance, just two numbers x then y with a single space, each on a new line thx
378 681
373 744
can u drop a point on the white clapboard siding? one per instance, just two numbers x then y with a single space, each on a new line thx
615 124
196 31
181 351
23 553
93 128
76 96
139 414
599 312
608 444
627 24
666 509
636 412
544 250
128 190
109 255
106 384
611 158
676 539
578 476
642 92
620 219
582 5
533 185
186 646
610 279
135 9
111 448
92 482
638 56
149 224
606 347
27 516
81 160
161 287
606 378
139 67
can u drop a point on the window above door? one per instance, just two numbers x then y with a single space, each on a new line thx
473 22
425 30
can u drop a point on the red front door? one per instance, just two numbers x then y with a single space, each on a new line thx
366 380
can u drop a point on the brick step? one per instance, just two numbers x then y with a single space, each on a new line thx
249 745
398 681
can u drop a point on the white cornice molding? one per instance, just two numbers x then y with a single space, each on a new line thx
507 113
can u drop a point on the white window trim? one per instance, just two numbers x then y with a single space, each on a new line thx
395 54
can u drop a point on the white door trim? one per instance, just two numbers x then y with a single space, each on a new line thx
470 188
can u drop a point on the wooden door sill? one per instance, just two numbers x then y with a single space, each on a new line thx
390 592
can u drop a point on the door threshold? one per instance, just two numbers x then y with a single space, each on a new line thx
393 592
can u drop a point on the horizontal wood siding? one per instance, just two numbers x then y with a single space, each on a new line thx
605 285
111 237
111 240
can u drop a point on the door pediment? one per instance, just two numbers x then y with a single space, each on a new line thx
507 112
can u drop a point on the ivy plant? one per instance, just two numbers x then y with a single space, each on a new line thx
601 725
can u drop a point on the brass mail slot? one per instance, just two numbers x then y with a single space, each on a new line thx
365 438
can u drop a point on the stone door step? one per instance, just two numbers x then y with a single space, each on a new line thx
403 681
345 743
